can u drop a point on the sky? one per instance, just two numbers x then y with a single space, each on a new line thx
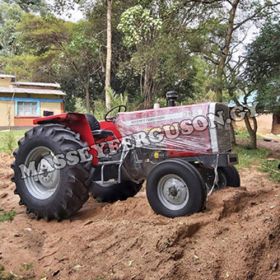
74 15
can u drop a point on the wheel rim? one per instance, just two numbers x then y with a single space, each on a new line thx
43 185
173 192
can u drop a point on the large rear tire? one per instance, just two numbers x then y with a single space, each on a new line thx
175 188
115 192
58 186
229 177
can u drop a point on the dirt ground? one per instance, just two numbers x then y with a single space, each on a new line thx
236 237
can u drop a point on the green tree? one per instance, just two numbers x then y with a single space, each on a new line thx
42 38
160 36
160 60
82 56
62 5
140 29
220 33
264 70
10 16
30 5
108 55
55 50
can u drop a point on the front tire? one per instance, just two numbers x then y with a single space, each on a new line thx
229 176
51 193
175 188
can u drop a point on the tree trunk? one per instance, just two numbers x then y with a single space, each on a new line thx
86 87
225 51
276 124
109 55
252 130
148 88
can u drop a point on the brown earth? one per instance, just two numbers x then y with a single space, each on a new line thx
237 237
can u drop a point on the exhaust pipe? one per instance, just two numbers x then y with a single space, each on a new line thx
171 97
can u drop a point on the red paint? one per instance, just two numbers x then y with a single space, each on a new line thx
110 126
76 122
179 154
51 119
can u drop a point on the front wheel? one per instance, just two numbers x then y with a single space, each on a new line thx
114 192
175 188
228 177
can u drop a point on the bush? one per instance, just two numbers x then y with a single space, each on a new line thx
117 99
8 140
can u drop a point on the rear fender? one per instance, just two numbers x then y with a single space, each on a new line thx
77 123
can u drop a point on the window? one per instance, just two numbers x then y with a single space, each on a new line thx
27 109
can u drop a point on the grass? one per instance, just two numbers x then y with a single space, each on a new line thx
4 275
7 216
249 157
27 266
9 139
241 134
258 158
271 167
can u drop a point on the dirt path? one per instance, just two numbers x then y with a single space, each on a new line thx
237 237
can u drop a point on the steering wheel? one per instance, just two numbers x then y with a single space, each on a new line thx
118 109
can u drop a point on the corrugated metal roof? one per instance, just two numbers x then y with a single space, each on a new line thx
31 91
54 85
6 76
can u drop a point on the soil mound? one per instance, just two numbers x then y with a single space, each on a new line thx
236 237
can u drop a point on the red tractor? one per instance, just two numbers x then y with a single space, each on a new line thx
183 152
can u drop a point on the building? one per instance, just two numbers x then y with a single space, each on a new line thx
21 102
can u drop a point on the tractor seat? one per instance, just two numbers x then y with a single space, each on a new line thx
101 134
93 122
95 128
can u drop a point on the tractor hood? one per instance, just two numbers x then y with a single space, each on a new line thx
200 128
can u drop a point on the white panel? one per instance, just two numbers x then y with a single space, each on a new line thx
213 131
